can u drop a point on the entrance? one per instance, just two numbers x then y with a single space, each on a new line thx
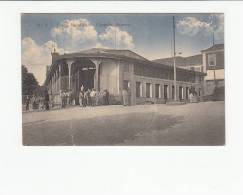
180 93
87 78
84 71
165 91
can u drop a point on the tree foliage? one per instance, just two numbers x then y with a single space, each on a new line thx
29 82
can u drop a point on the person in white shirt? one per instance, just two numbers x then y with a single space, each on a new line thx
93 97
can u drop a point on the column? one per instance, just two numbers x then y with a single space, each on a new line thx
60 77
184 92
177 91
69 63
133 85
96 76
153 90
162 90
52 82
56 83
78 79
144 89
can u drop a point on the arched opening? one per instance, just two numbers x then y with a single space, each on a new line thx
83 72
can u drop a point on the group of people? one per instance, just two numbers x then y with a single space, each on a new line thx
89 97
83 98
37 102
93 97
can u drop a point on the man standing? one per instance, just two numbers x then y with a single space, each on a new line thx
106 97
81 98
61 98
125 97
93 97
27 102
46 100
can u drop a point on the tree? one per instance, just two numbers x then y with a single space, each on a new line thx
29 82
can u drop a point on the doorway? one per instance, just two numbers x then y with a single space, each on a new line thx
87 78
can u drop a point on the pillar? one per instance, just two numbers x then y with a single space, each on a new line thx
52 82
69 63
162 90
132 85
184 92
177 91
96 76
56 83
60 77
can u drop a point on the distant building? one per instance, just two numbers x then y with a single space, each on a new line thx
115 70
193 63
213 65
210 61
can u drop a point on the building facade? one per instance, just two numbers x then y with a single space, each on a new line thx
115 70
210 62
213 66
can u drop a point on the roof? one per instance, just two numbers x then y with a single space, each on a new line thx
113 54
102 51
182 61
214 47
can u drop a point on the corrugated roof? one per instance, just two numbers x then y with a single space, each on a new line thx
214 47
121 53
182 61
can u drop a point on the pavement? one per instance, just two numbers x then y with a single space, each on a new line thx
195 124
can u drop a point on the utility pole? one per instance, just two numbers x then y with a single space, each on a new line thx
174 58
213 38
115 39
214 70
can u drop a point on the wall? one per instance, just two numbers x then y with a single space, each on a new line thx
219 74
219 60
162 82
109 76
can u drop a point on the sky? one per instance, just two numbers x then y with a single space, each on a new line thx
149 35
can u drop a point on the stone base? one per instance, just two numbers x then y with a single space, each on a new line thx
175 103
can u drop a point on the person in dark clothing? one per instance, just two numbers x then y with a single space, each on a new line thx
88 97
27 102
106 97
47 101
81 98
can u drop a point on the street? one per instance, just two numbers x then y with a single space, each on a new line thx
175 125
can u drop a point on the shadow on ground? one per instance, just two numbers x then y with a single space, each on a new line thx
106 130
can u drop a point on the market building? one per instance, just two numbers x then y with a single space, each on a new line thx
115 70
210 62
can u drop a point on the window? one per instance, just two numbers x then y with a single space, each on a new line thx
157 91
148 90
198 69
192 68
126 68
212 59
165 91
173 92
181 93
138 89
125 84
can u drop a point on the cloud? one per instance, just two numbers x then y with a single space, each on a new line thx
115 36
192 26
78 34
218 26
70 36
36 57
75 34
